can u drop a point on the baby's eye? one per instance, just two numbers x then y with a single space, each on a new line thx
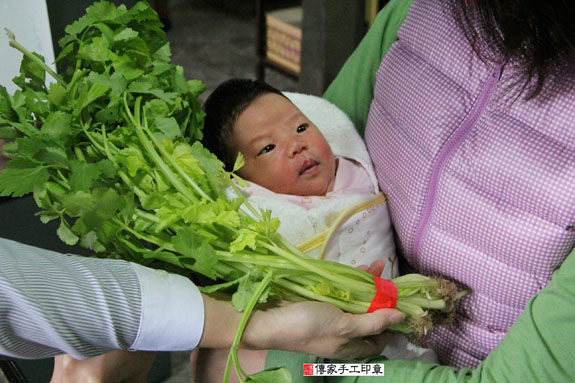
267 149
302 128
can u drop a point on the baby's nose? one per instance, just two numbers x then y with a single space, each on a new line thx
298 147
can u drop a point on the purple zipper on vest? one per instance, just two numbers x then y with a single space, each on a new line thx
449 148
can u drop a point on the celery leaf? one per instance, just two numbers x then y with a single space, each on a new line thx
17 182
196 252
246 290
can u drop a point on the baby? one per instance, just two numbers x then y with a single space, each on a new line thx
292 170
328 204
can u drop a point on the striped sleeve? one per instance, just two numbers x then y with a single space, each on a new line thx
52 303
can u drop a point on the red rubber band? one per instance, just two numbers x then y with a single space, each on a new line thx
385 295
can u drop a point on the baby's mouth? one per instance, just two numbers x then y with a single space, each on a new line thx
308 166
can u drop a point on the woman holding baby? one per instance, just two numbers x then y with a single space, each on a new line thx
467 108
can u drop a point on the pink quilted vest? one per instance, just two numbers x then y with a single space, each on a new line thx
481 187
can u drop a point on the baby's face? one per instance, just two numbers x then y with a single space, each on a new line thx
283 151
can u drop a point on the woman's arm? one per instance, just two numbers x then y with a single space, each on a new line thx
539 347
52 303
352 89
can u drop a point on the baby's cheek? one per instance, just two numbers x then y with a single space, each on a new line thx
281 181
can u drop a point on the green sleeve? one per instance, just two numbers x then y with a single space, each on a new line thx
539 347
352 89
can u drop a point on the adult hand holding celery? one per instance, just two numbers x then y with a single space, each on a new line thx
111 151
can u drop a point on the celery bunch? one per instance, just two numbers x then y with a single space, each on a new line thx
111 150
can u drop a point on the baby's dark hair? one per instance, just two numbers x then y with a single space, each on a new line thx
223 107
